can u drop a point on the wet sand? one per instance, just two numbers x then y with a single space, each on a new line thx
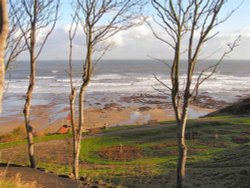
130 110
95 117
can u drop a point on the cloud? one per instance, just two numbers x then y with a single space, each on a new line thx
220 42
139 43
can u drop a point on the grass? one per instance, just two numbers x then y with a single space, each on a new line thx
214 142
38 139
55 168
118 128
215 159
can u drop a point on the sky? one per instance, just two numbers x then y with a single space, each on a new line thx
139 42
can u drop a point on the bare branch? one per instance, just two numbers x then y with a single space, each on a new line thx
20 22
52 8
72 34
15 44
161 61
160 38
162 83
213 68
161 91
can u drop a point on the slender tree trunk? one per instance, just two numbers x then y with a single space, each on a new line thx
76 157
78 136
182 147
3 38
181 118
26 111
87 71
72 116
72 98
182 154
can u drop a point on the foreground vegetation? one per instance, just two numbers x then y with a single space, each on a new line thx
146 156
16 182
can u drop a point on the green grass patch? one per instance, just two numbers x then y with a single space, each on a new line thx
47 138
55 168
218 150
213 137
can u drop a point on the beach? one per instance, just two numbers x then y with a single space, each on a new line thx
106 112
120 93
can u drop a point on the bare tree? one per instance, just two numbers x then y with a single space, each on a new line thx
40 15
100 20
3 38
195 20
72 97
15 43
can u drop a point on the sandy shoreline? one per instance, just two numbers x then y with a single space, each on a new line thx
128 110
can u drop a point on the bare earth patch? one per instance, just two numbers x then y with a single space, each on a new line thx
164 145
240 139
56 151
121 153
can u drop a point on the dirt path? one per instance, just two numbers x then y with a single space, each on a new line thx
44 179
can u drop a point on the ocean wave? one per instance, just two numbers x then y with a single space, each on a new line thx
129 83
63 80
108 77
54 71
45 77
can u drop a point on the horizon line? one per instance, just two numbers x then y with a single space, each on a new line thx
133 59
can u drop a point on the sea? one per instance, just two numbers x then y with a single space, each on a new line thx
115 78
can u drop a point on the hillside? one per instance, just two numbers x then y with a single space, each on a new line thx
145 156
241 107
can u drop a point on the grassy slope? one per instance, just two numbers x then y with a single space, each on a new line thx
214 157
5 145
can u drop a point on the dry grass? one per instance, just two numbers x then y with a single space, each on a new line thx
18 133
16 182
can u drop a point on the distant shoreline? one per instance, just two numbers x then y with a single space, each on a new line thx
124 110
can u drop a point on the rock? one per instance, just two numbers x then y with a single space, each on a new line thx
204 101
110 106
144 108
